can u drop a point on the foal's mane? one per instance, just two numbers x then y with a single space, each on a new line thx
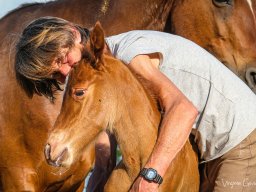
147 87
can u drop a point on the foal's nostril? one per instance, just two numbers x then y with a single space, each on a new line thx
47 151
57 162
47 154
250 77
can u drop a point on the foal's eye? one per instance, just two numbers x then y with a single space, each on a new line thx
79 93
222 3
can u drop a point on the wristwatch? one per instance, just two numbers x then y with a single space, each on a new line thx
151 175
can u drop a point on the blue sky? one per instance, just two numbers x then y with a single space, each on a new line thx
8 5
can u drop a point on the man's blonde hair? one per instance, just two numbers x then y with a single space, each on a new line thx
39 44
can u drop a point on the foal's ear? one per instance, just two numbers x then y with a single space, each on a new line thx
97 40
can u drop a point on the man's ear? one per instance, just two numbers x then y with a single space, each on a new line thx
97 40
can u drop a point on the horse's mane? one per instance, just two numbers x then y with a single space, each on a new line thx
148 88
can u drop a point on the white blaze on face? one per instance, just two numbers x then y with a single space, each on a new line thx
250 5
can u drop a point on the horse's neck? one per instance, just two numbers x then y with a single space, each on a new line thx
137 118
141 14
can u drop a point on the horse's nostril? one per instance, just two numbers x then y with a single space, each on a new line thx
250 77
47 151
57 162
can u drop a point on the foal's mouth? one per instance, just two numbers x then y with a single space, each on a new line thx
57 162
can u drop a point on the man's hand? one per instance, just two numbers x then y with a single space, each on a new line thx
141 185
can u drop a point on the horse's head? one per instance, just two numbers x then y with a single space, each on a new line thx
226 28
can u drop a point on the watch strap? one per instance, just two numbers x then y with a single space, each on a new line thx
158 179
143 172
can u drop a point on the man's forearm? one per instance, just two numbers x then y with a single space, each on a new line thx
174 132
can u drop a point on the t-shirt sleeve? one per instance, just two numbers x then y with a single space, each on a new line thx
129 46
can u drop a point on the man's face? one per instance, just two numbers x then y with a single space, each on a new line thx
69 57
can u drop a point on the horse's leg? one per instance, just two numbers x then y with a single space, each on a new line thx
105 161
81 187
119 181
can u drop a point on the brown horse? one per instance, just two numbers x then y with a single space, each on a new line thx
25 122
103 94
225 29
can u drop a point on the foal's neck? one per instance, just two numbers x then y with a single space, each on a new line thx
136 120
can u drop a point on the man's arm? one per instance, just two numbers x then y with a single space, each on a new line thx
179 116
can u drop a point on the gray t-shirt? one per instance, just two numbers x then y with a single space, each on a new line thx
227 107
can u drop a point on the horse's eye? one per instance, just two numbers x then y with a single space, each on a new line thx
222 3
79 93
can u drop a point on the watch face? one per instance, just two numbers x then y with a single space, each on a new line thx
151 174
